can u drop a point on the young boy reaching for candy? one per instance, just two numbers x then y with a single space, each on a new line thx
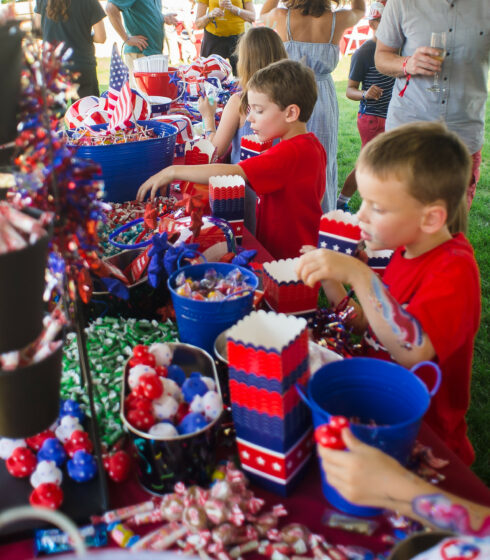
289 177
413 181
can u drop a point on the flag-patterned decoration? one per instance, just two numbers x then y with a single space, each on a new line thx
120 116
119 75
339 231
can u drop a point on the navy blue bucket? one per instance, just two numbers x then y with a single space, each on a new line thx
200 322
126 166
394 397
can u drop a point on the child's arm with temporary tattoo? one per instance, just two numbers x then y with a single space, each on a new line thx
367 476
398 331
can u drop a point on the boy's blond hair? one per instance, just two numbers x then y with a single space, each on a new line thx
431 160
287 82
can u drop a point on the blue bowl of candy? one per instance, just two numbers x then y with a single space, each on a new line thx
125 166
201 319
188 456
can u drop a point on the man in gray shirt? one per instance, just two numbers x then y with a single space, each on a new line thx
407 25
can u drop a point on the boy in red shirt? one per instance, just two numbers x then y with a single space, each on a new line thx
289 177
413 184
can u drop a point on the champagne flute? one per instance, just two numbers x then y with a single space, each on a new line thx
437 41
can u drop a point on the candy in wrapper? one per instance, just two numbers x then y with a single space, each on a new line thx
122 535
145 518
194 518
161 538
172 507
52 541
349 523
123 513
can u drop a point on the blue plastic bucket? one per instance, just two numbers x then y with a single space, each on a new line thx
394 397
200 322
126 166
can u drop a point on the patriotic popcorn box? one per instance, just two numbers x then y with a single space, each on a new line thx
378 260
284 291
250 146
227 200
268 354
339 231
200 152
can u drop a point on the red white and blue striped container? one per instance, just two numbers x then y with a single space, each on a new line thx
340 231
268 354
227 201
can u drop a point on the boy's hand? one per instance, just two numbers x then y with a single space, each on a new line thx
323 264
363 475
374 93
155 182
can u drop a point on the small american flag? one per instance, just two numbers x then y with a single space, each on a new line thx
119 76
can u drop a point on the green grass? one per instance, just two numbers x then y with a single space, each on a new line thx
349 145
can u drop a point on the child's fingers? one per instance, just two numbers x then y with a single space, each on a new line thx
306 249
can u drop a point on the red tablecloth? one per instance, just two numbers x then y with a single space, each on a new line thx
306 505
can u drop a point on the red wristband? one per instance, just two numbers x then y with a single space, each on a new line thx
407 75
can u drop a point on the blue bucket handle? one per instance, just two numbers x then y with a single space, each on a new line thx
436 368
124 227
199 254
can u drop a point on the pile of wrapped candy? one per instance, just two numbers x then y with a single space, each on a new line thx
165 402
225 521
213 286
86 137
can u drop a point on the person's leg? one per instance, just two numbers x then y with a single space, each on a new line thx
475 176
129 59
369 127
87 82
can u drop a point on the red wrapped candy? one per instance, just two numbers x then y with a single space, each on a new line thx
36 442
150 386
78 440
118 466
141 419
21 463
47 495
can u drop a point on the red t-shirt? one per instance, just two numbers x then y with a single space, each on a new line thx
441 289
290 181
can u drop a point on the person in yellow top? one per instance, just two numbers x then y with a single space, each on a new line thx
223 22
